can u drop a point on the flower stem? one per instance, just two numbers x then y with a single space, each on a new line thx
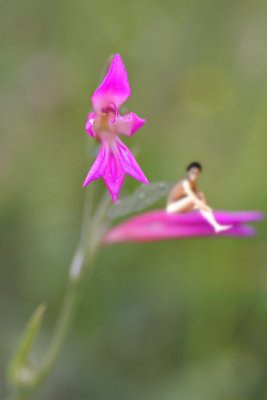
90 241
64 321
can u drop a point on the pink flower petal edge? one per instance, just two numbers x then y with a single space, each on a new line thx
90 123
129 123
113 165
115 87
159 225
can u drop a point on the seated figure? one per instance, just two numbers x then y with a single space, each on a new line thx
185 197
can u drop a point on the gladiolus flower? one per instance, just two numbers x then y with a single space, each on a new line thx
158 225
105 124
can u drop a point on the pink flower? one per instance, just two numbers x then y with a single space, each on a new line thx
159 225
114 159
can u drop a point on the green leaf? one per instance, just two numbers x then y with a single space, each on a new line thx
143 197
19 371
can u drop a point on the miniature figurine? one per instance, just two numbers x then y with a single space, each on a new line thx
185 197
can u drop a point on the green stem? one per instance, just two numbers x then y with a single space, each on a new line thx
90 240
64 321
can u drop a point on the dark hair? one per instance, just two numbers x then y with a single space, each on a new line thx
194 164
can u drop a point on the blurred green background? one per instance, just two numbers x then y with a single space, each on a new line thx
174 320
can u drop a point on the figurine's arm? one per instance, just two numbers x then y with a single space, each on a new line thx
174 194
198 202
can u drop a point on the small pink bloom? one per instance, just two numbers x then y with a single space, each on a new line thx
114 159
159 225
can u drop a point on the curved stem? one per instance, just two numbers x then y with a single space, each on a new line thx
90 240
61 330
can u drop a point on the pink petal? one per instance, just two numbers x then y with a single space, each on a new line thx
128 124
109 167
233 217
113 176
115 88
89 124
158 225
158 233
113 161
195 218
99 166
129 163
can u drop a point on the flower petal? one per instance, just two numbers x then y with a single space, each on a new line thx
115 87
89 124
195 217
129 163
158 225
128 124
113 176
237 217
99 166
158 233
107 166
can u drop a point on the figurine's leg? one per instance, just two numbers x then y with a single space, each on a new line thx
209 216
187 204
180 206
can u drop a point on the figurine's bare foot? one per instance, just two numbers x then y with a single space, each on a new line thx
222 228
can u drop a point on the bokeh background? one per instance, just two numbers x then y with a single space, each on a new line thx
174 320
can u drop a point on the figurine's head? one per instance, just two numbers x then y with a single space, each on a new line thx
193 170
